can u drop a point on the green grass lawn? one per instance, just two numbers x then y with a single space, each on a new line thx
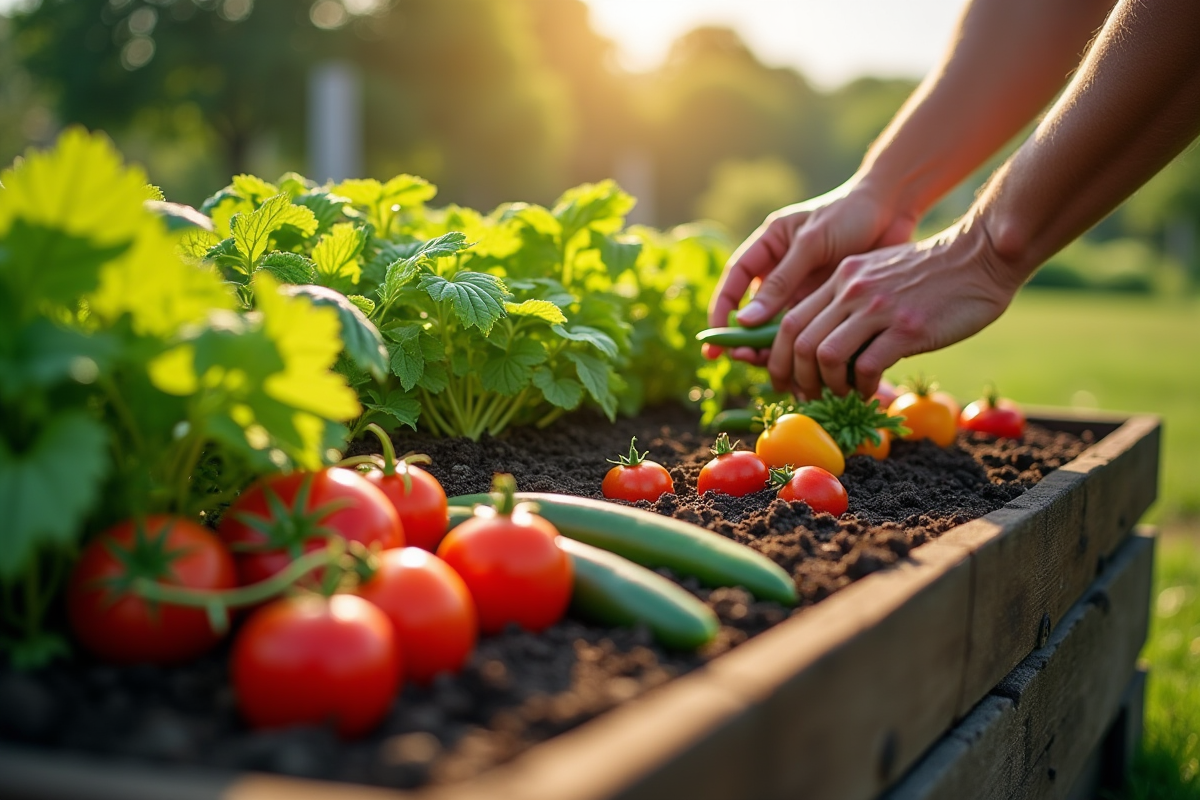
1127 354
1110 352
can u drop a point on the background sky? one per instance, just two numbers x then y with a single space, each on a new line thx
830 41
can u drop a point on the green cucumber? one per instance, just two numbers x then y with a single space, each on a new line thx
654 541
735 420
612 590
760 338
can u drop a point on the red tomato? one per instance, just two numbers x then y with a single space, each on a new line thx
124 628
819 488
734 472
266 536
513 568
421 505
310 659
995 416
430 607
636 478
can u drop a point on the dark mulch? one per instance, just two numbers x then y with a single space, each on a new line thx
520 688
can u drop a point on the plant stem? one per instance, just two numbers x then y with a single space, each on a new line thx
516 405
440 427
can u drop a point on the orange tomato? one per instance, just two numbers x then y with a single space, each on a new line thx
927 416
876 451
794 440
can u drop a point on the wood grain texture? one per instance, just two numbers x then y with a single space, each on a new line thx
1032 736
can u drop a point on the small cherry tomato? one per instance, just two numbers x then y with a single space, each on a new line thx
795 440
430 607
417 496
734 472
823 492
876 451
281 517
310 659
926 414
636 478
995 416
119 626
507 557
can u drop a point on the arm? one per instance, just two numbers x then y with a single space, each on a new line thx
1007 60
1133 106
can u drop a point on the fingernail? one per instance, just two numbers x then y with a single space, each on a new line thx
752 313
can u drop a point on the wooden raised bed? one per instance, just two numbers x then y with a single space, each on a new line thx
840 701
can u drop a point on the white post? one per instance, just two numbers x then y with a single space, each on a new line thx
334 122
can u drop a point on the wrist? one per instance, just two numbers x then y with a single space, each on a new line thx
1001 246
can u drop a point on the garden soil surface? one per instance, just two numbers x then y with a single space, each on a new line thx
520 688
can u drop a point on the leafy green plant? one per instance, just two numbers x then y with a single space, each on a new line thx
130 381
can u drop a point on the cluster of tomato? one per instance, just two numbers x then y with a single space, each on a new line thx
328 646
797 456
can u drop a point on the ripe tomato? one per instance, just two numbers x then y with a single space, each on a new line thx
430 607
993 415
927 415
636 478
794 440
310 659
122 627
734 472
281 517
509 561
420 501
819 488
876 451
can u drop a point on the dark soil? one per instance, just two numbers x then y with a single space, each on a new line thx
520 688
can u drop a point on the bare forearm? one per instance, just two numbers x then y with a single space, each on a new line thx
1133 106
1007 61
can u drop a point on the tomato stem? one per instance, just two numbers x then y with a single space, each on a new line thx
722 446
504 490
634 458
780 476
389 451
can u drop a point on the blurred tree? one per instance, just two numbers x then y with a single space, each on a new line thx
742 193
1168 210
25 118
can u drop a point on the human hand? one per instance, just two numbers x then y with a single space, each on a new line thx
888 304
797 248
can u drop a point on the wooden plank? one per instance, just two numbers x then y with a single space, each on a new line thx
853 690
1034 557
1032 737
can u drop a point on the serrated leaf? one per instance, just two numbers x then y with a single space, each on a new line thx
436 377
593 373
46 496
253 188
476 297
562 392
154 193
293 184
336 254
361 338
326 207
511 371
252 232
540 309
412 258
584 333
195 245
364 304
602 206
398 405
289 267
406 356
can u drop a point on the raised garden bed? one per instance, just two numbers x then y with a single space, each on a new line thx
959 579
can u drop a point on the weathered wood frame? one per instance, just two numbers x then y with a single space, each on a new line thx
837 702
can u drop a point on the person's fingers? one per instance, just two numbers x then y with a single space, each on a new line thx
751 356
837 350
806 369
887 348
757 257
782 357
807 251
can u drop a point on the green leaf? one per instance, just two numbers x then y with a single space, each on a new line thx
594 374
154 193
407 358
435 379
602 206
540 309
289 267
45 355
253 188
41 265
364 304
326 207
398 405
336 254
477 297
511 371
47 490
619 254
584 333
252 232
195 244
415 257
562 392
361 338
